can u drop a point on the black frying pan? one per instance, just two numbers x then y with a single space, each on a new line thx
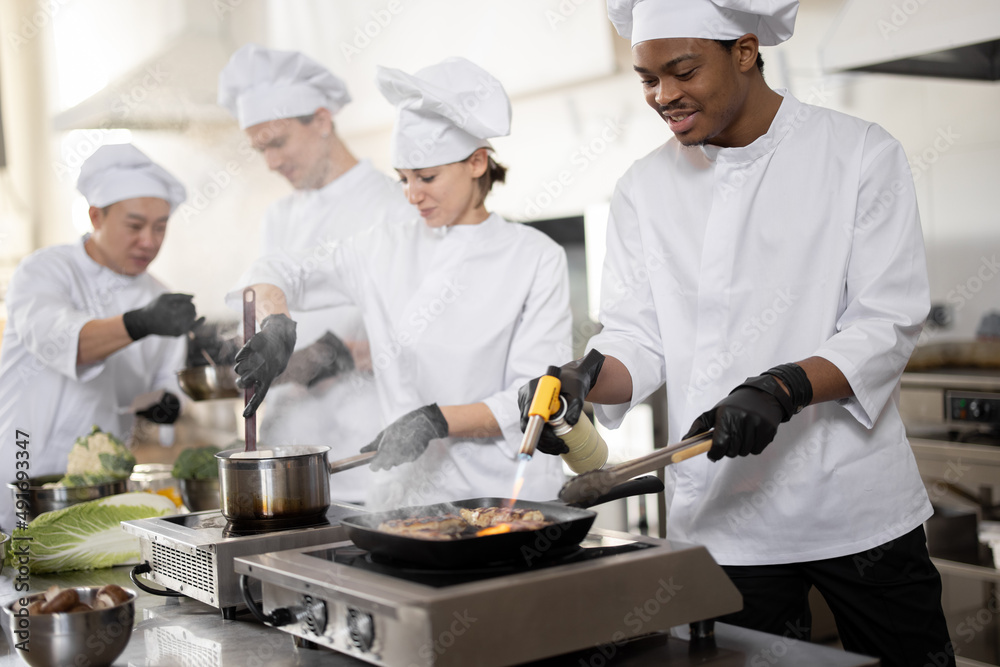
568 528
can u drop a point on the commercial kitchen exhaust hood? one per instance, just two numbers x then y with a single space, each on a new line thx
171 90
957 39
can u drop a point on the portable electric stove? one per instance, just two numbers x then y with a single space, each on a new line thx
192 554
615 587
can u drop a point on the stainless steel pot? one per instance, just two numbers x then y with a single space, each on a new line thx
36 498
287 483
200 494
207 382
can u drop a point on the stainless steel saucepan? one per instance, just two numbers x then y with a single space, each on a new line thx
287 483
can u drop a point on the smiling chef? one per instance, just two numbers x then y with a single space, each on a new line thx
88 329
764 226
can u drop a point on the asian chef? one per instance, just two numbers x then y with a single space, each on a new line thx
89 329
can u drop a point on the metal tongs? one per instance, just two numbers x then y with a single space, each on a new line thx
596 483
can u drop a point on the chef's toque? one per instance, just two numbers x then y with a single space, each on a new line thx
259 84
639 20
121 171
444 112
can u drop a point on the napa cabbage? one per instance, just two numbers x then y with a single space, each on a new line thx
86 536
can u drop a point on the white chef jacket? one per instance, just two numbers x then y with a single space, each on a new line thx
454 316
342 412
43 391
725 262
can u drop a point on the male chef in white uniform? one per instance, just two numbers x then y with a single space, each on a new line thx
285 101
88 329
768 231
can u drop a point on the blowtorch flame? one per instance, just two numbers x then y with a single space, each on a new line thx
494 530
515 493
518 483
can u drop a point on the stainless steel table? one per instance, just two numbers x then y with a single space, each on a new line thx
183 632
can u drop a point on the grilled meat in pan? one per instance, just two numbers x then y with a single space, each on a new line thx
451 526
487 517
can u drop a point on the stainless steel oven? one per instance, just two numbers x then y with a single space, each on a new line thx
952 418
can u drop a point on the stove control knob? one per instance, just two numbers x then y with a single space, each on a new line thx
361 627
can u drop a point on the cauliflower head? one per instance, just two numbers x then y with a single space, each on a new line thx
97 458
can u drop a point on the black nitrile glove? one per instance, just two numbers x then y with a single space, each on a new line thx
548 441
326 358
264 357
746 421
577 378
166 411
407 438
166 315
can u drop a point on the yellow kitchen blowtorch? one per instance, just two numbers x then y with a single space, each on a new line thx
544 404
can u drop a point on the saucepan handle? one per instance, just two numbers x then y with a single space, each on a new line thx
634 487
352 462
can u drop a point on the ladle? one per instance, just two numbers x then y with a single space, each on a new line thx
249 327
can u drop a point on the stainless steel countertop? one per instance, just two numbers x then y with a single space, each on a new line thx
181 632
969 379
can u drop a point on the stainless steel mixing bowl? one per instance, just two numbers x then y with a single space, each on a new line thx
30 496
94 638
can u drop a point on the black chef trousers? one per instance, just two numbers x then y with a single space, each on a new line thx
886 601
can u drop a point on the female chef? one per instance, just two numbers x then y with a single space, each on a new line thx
461 306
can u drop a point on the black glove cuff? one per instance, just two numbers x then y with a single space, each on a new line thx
134 325
798 384
769 385
343 361
277 318
590 365
437 419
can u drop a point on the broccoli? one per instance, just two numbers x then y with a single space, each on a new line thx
197 463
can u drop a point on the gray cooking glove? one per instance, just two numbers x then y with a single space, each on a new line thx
264 357
326 358
407 438
166 315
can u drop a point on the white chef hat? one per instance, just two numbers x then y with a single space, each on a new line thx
444 112
121 171
640 20
259 84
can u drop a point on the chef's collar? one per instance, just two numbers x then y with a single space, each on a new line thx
789 115
341 186
487 226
